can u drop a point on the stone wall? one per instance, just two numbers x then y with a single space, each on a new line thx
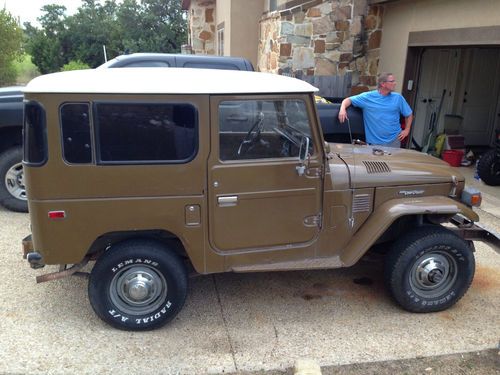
323 38
202 30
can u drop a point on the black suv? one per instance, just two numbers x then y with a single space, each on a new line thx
164 60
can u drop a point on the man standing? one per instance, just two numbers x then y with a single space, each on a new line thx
382 109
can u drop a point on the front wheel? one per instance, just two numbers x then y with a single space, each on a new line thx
488 168
138 285
429 269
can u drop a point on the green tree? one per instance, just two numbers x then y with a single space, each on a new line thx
11 37
152 25
132 26
46 44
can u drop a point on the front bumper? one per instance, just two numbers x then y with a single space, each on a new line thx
471 231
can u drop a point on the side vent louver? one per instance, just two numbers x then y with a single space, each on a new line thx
361 203
376 166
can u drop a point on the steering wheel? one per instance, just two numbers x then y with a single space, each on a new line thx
253 134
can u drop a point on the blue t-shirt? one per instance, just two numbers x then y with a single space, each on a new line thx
381 115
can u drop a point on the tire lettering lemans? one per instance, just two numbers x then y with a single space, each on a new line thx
438 302
148 319
156 316
128 262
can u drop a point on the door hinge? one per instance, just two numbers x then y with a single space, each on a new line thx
312 221
314 172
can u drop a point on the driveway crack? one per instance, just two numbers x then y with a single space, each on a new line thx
226 327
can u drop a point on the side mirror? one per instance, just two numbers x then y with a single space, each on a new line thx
304 149
303 155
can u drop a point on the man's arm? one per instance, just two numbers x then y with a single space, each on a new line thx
406 131
342 112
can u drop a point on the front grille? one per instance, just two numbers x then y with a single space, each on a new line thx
376 166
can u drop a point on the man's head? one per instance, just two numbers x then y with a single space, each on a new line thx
386 83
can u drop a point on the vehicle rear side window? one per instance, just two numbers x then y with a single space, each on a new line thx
75 124
146 132
35 134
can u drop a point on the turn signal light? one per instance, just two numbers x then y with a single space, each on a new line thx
471 197
57 214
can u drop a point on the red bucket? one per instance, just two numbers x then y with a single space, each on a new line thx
453 157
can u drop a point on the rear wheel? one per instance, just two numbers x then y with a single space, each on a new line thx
488 168
429 270
138 285
12 189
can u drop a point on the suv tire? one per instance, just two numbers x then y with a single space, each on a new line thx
138 285
488 168
429 269
12 189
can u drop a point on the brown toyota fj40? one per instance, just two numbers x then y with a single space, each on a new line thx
153 173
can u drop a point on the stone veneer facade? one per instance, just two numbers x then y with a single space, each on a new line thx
202 29
323 38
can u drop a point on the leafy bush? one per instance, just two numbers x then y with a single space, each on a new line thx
74 65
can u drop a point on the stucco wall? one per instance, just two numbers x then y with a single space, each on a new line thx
245 37
224 15
403 17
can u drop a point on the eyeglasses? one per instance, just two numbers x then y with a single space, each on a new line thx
391 81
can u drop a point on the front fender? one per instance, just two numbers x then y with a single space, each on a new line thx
389 211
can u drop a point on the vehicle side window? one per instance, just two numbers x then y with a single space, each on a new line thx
35 134
146 132
149 63
261 129
210 65
75 125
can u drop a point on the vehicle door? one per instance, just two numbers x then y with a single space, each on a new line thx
261 196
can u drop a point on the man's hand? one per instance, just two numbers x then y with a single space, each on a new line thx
342 112
403 134
342 115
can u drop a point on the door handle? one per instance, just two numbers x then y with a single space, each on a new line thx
227 201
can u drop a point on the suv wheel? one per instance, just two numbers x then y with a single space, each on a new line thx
12 189
138 285
429 270
488 168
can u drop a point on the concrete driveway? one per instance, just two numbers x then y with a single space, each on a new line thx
236 322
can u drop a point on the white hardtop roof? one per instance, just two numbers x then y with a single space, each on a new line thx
166 81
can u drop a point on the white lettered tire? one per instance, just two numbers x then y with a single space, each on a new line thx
138 285
429 269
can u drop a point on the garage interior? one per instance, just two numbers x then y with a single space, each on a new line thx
457 94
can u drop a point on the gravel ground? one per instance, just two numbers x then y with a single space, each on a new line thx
237 323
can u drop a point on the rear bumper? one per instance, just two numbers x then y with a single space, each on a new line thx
471 231
34 258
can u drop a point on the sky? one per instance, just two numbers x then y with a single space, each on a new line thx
29 10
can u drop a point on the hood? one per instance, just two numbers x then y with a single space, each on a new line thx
376 166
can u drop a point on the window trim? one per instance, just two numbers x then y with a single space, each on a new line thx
220 39
44 135
224 98
95 121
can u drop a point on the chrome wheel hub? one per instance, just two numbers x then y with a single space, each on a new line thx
14 182
433 274
138 290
